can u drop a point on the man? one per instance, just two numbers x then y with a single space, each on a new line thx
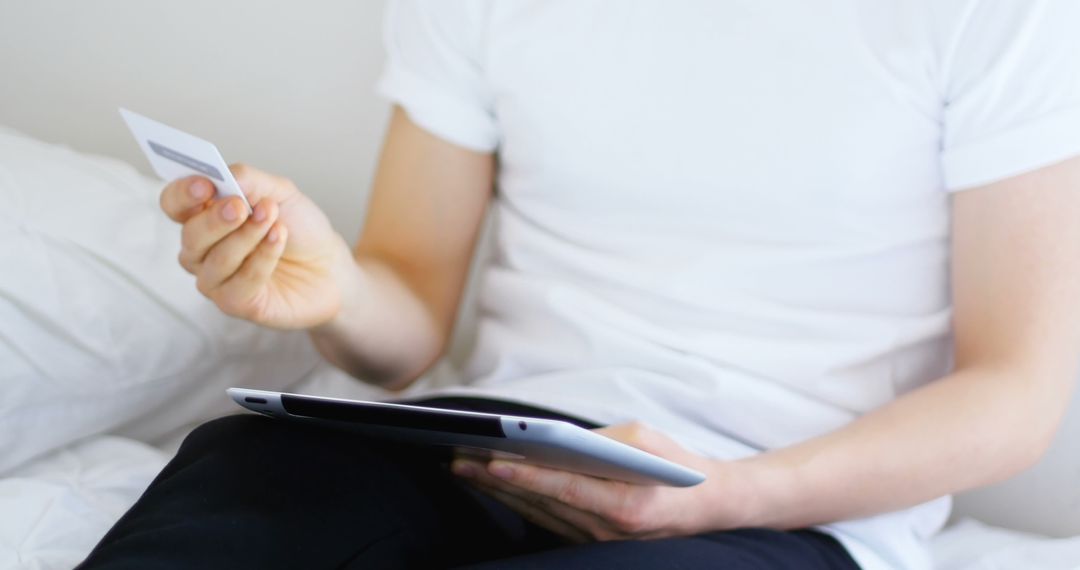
826 253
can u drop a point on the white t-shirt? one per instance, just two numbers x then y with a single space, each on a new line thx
730 219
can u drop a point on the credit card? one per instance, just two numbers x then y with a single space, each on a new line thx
175 154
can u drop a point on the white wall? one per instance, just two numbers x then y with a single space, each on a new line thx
287 86
283 85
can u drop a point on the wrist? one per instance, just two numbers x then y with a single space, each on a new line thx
751 490
346 277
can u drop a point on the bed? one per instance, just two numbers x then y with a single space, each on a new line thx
108 357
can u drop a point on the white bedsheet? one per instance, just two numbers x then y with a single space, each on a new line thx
971 545
54 509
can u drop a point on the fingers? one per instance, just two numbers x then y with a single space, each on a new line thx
641 436
185 198
203 230
538 516
579 491
228 254
592 525
237 296
635 434
261 263
181 199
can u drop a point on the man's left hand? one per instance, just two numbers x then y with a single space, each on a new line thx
582 508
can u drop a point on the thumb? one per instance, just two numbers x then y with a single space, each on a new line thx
258 185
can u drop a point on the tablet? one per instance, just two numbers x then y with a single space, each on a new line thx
549 443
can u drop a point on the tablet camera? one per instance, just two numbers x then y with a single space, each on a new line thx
523 426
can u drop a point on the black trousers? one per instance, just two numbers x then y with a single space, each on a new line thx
253 492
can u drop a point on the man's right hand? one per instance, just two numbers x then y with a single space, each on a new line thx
278 266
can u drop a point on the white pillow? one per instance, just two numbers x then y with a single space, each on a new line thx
100 329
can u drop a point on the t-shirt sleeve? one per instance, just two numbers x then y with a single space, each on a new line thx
1012 91
434 69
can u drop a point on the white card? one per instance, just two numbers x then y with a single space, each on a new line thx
175 154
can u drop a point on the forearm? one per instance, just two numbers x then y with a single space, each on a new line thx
402 285
968 429
384 333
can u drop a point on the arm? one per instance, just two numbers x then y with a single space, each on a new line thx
383 315
1016 290
1016 284
401 293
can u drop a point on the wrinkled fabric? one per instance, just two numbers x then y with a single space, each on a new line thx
53 510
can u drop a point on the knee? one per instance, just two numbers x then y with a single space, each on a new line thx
254 435
240 429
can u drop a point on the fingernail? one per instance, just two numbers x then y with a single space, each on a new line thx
229 212
463 469
273 236
501 470
260 213
199 189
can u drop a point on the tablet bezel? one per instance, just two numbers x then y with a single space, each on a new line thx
550 443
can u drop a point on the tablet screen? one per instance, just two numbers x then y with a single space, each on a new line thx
395 415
